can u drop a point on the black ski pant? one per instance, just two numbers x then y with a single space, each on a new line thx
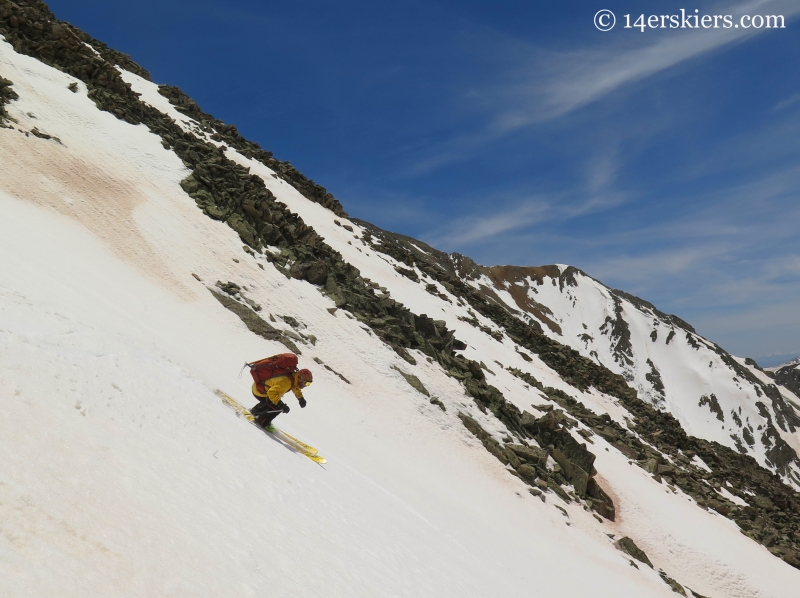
265 411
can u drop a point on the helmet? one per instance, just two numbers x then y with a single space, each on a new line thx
305 376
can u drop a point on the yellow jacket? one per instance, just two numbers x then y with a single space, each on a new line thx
278 386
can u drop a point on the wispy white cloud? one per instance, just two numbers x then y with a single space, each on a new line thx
761 329
790 101
602 171
662 263
490 224
497 218
729 262
544 85
567 81
785 267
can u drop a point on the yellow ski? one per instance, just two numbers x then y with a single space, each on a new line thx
301 447
307 447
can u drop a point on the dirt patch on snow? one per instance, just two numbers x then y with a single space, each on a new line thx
48 174
514 280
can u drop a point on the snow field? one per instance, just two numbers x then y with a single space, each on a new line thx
127 476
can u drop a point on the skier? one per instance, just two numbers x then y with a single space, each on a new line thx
273 377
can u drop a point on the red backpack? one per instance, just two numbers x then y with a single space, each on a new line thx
277 365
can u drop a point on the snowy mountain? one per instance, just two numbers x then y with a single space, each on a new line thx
711 393
787 375
794 361
488 431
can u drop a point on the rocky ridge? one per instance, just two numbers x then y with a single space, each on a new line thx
788 375
219 131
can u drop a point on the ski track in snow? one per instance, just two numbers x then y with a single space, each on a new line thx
124 475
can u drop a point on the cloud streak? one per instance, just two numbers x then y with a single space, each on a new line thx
790 101
472 229
588 76
574 80
549 85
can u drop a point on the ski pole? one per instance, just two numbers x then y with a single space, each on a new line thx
240 371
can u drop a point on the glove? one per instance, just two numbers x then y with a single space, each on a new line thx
302 402
284 407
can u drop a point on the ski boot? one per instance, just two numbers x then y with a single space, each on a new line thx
264 421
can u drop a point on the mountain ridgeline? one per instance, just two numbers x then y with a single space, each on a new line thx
733 420
788 375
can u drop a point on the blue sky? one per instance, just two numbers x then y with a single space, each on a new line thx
663 162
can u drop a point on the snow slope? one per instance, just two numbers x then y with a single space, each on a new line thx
124 475
714 395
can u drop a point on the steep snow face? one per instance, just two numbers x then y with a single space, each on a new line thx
124 475
714 395
788 375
